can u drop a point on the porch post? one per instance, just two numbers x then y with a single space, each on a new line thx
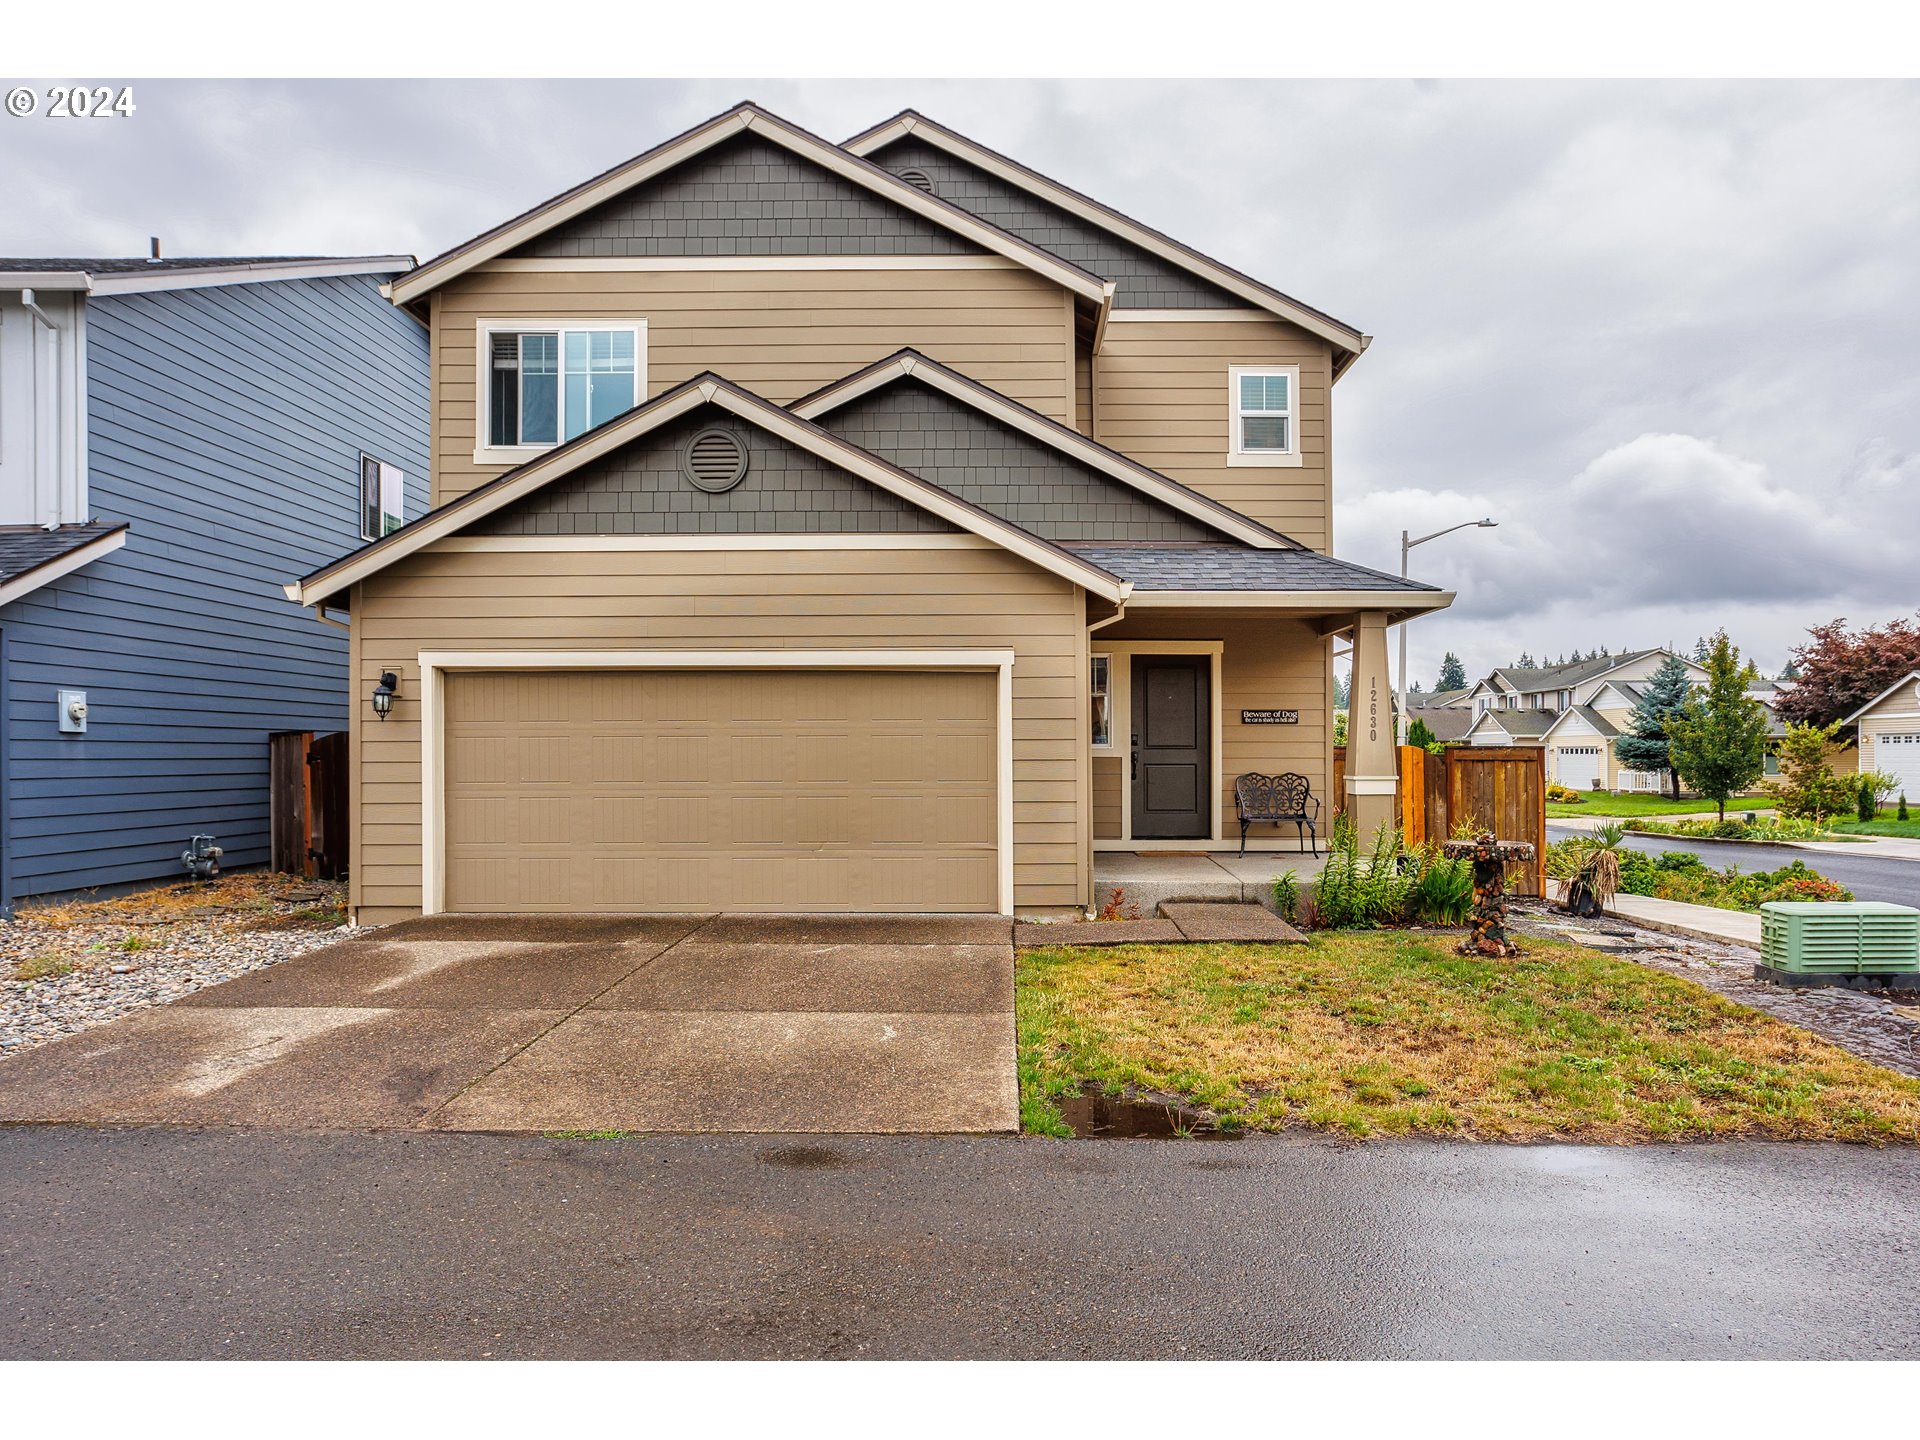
1372 775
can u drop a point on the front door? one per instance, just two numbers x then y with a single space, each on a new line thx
1172 762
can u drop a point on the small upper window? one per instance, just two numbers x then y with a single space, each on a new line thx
1265 414
546 386
1102 702
383 498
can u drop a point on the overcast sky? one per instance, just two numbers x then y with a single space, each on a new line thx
1664 333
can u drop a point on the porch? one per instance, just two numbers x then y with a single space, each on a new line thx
1152 878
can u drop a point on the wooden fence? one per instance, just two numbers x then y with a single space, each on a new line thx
307 776
1502 788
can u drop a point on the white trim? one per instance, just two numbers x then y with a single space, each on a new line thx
66 564
1120 687
663 264
1182 317
768 127
477 504
1291 457
1113 222
1903 681
140 281
1372 784
483 333
483 544
1056 437
434 664
1097 747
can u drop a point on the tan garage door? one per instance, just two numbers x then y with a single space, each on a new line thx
721 790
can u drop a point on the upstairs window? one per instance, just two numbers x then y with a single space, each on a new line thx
1264 402
547 384
383 498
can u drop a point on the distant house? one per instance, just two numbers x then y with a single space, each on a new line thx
1576 711
175 436
1447 713
1889 734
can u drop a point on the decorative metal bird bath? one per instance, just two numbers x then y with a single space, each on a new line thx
1487 932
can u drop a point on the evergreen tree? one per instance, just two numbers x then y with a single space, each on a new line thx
1701 650
1453 675
1340 682
1525 662
1645 746
1718 741
1792 672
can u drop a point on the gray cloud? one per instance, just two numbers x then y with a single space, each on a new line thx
1662 331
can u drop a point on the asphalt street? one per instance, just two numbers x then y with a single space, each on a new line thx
1869 877
167 1243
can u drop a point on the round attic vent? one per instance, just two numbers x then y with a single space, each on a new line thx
919 179
714 460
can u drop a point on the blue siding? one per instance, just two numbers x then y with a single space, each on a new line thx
225 425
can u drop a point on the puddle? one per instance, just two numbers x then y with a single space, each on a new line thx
1094 1115
805 1157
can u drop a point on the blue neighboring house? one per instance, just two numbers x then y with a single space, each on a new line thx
176 438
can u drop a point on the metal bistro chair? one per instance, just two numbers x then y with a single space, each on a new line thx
1277 800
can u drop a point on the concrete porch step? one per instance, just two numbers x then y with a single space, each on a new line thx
1151 880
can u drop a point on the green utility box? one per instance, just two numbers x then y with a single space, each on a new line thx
1865 944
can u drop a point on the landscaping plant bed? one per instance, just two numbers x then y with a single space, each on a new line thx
66 967
1392 1033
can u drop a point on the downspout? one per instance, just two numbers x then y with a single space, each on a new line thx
32 307
320 614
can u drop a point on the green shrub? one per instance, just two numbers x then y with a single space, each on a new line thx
1286 894
1764 828
1442 892
1361 892
1903 805
1868 803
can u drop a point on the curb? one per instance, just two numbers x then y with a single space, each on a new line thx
1667 927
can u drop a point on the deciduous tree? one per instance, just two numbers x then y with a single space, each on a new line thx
1840 670
1718 740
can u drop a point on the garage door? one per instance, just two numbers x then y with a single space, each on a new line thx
1577 766
721 790
1899 756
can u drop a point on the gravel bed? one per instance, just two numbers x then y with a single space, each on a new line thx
1883 1031
170 958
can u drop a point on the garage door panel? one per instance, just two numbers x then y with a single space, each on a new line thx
687 790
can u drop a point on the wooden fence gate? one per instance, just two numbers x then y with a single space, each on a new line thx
1502 788
307 776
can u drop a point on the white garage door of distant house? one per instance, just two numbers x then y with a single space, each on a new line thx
1577 766
1899 756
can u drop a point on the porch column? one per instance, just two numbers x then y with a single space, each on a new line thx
1372 769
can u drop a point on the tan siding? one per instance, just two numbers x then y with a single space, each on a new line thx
1264 665
779 333
1083 391
822 599
1160 395
1107 770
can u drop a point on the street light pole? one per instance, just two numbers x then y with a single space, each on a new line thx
1406 547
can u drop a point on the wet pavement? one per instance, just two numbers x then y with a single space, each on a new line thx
172 1243
537 1023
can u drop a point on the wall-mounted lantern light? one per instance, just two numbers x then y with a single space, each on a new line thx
384 692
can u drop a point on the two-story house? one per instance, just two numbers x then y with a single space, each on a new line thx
880 526
1576 711
174 435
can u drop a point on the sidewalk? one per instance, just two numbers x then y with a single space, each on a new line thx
1702 922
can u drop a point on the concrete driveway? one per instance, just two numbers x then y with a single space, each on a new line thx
530 1023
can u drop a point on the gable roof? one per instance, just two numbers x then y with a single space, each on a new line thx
1885 694
909 363
1605 728
1627 691
743 118
1522 724
1347 340
706 388
32 557
1579 672
1437 699
128 276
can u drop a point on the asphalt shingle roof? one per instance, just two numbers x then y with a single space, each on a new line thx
1557 677
25 550
1237 567
119 266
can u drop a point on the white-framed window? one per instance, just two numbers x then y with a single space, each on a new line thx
383 497
1100 687
545 382
1263 414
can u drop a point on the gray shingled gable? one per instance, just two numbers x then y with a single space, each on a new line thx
990 464
1238 567
25 550
639 490
747 196
1144 281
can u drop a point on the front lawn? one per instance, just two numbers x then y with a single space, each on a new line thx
1887 824
1601 803
1391 1033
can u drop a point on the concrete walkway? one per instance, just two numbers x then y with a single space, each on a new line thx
1703 922
1152 878
547 1023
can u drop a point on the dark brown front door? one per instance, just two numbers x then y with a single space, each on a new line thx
1172 768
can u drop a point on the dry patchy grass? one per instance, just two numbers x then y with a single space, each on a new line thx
254 899
1392 1033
